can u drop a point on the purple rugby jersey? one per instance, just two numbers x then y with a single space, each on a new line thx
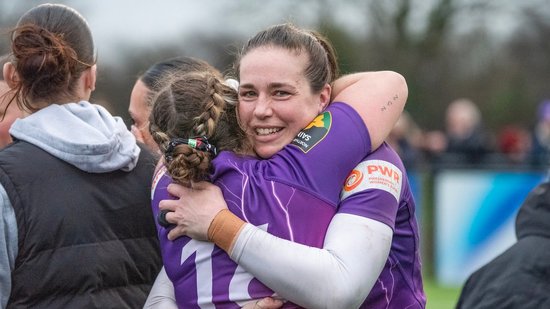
378 189
293 195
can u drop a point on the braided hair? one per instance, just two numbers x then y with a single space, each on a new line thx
193 118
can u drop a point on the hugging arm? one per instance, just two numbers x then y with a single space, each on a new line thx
162 293
162 296
339 275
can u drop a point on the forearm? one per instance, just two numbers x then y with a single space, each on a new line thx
162 293
340 275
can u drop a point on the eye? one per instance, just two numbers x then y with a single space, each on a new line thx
281 94
247 94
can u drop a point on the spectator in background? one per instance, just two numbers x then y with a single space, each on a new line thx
77 229
406 138
541 136
514 143
467 141
146 87
519 277
8 112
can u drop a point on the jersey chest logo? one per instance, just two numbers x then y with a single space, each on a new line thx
314 132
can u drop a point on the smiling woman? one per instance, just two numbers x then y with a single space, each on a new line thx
272 112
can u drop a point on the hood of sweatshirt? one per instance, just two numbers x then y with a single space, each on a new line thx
534 214
83 134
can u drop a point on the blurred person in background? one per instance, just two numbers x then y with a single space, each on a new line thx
8 112
515 145
146 86
77 229
467 141
405 138
541 136
520 276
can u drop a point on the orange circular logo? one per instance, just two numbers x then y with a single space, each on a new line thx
353 180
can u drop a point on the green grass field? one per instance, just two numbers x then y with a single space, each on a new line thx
440 297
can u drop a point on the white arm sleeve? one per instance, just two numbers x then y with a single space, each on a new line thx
340 275
162 293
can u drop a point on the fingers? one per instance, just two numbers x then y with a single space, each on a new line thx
202 185
270 303
177 190
265 303
168 205
176 232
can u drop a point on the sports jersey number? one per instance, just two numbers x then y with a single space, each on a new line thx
238 286
203 267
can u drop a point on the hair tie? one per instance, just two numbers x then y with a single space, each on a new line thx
233 83
200 143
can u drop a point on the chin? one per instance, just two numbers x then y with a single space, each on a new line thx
266 152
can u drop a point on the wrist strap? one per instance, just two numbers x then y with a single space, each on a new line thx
224 229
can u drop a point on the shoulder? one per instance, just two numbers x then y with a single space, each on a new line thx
228 161
381 170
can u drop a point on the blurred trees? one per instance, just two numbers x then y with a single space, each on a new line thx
452 53
445 48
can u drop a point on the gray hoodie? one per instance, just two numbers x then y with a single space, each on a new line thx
83 134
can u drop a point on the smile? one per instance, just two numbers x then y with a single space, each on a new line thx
267 131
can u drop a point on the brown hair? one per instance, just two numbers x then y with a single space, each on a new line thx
51 46
157 71
195 104
322 68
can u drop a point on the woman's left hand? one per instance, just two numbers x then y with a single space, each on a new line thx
194 210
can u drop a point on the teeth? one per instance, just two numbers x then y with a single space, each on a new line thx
267 131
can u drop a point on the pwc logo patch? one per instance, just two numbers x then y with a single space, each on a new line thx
314 132
374 174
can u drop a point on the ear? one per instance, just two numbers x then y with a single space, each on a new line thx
10 75
91 77
324 98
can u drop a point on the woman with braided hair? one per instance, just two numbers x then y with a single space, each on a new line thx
194 120
145 88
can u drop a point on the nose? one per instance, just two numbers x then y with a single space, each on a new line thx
263 108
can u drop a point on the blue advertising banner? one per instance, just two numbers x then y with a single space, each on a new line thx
475 215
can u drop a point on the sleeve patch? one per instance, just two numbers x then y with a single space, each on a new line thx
374 174
314 132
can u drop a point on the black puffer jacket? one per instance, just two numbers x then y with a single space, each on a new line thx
519 277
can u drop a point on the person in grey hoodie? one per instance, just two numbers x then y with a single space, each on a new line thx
76 227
